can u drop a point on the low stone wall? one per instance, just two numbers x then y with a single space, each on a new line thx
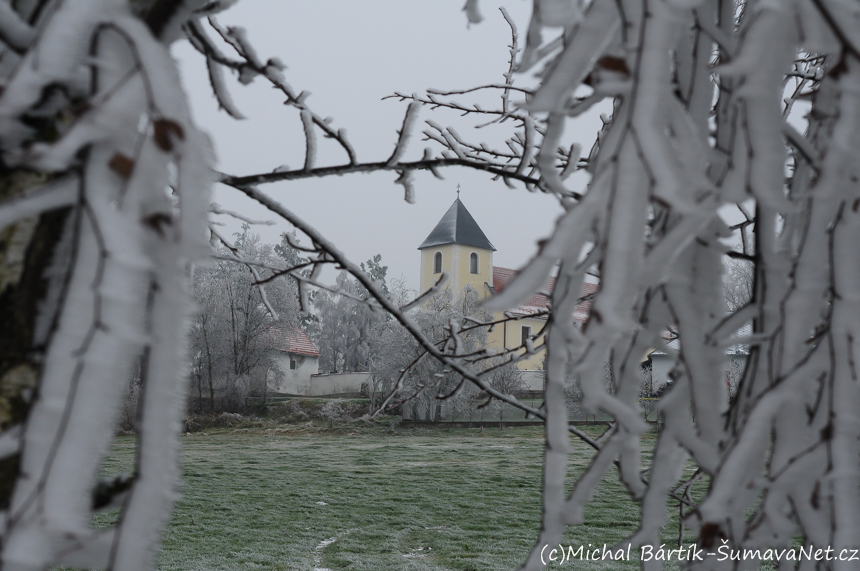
491 423
337 384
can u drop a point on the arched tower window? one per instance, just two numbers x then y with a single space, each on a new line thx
473 263
437 263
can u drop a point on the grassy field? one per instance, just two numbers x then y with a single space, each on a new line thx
420 499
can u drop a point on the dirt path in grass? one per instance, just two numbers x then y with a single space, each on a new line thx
318 553
318 550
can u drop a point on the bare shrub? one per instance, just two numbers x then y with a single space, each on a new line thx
333 411
293 411
236 392
228 419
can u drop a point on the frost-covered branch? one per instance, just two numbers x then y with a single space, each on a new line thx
85 197
426 164
249 67
685 139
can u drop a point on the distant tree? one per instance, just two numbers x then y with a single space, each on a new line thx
232 333
348 324
391 344
376 271
739 275
409 371
333 411
205 339
289 251
507 380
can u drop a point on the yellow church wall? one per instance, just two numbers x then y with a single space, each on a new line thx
478 280
428 278
511 333
455 260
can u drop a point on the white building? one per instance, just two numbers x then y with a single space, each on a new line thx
295 360
295 369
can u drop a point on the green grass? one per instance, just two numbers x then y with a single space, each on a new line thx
511 414
419 499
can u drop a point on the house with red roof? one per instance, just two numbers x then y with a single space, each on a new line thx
294 369
294 361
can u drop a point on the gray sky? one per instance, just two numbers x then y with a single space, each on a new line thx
349 55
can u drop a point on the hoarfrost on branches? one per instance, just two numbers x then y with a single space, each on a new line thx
702 95
91 101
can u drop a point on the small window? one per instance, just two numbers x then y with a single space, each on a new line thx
473 263
293 364
437 263
527 332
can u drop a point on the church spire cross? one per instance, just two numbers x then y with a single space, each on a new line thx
458 191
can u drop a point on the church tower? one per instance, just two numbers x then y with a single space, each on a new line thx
457 245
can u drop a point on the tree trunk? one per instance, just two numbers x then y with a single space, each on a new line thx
209 370
34 264
199 392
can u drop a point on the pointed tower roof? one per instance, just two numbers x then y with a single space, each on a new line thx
457 227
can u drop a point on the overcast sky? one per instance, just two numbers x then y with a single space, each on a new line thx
349 55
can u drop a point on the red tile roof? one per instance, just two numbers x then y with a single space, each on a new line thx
538 302
294 340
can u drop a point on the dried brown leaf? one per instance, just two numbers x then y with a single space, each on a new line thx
614 63
122 164
164 131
